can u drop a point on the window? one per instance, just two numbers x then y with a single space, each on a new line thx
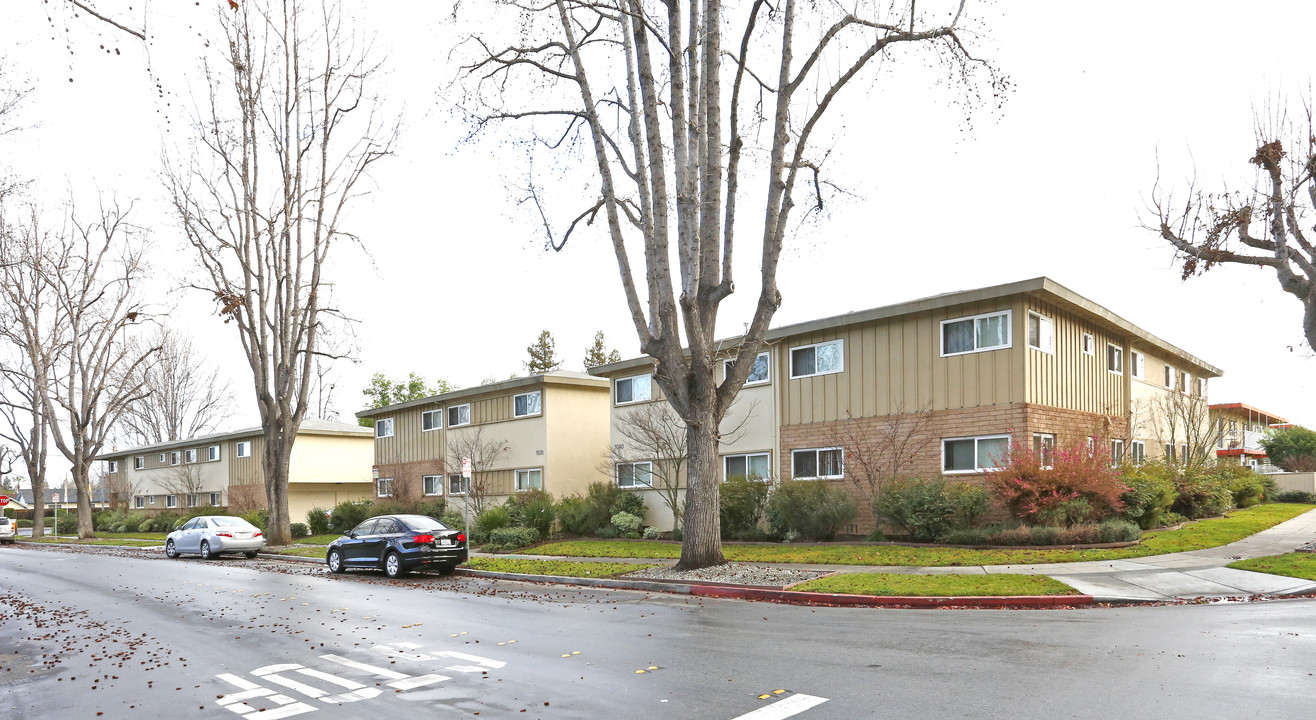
1169 376
639 474
432 484
152 500
633 389
459 415
1169 452
529 479
1183 382
458 485
114 466
1138 449
1136 364
189 500
384 487
526 404
212 452
189 455
216 500
1116 452
244 448
970 454
162 458
1115 358
1041 333
171 501
139 502
1183 453
1044 447
431 420
1089 344
818 359
818 463
173 458
1199 388
384 427
757 374
139 462
752 466
975 334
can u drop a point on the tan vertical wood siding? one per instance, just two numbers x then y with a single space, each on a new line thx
1068 378
409 442
245 469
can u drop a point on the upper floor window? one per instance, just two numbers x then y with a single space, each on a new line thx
532 479
751 466
637 474
114 466
1199 387
1041 332
162 458
1183 381
818 359
189 455
971 454
431 420
1169 376
384 427
459 415
1089 344
818 463
526 404
990 331
244 448
173 458
212 452
633 389
1137 363
139 462
1115 358
433 484
758 374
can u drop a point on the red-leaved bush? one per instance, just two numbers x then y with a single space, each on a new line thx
1078 486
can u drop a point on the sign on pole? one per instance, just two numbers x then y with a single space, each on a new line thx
55 498
466 468
4 500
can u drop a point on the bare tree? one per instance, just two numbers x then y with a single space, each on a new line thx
288 135
484 453
883 448
1212 229
1182 419
186 396
185 481
640 85
654 432
23 419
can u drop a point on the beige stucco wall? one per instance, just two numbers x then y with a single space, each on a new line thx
577 437
304 496
331 459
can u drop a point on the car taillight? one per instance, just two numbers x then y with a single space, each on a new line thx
461 537
259 534
224 533
424 539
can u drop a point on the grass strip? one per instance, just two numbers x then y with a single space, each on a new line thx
560 568
98 541
1300 565
1209 533
888 584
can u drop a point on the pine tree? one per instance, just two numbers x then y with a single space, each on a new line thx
597 354
543 356
383 392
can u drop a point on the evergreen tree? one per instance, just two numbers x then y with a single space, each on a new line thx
383 392
597 354
543 355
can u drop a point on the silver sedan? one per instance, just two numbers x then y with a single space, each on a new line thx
213 535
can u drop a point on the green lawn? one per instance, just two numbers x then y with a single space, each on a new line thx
136 539
562 568
936 585
1195 536
316 539
1296 565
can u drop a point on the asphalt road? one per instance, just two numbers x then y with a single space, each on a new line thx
85 633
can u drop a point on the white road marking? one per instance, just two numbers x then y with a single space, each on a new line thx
784 708
481 661
381 672
416 682
250 690
400 650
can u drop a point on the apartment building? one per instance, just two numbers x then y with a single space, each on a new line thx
1240 428
540 432
953 378
330 464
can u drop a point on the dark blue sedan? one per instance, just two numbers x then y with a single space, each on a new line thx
398 544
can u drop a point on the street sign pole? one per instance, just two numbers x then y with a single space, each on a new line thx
466 501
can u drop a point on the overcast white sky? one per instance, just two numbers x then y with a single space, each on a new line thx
1053 183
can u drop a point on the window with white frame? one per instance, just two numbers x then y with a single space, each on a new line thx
189 500
459 415
162 458
212 452
1044 447
636 474
244 448
1199 387
1089 344
458 485
384 487
189 455
1169 376
818 463
139 462
989 331
526 404
818 359
174 457
432 484
1183 382
758 374
751 466
1115 358
1183 453
1041 333
1116 452
1137 364
139 502
216 499
971 454
530 479
1169 452
150 500
431 420
1138 451
171 501
384 427
113 466
638 388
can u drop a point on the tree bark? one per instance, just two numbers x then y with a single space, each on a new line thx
276 463
701 544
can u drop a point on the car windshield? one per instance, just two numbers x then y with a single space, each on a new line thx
422 523
4 521
229 522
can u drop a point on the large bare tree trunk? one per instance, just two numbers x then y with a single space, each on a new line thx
275 464
703 518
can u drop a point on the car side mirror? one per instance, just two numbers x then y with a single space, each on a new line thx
352 535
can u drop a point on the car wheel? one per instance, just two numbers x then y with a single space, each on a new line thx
335 561
447 569
393 565
250 554
205 550
171 551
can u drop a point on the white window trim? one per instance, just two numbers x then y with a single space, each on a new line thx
190 455
1170 374
113 467
1051 350
1114 460
791 358
1137 364
1118 349
747 456
243 448
1009 333
163 457
175 457
380 424
139 462
150 500
1089 345
726 366
423 478
815 451
464 483
454 407
976 439
616 474
527 394
516 478
378 484
1036 435
1138 450
212 453
632 401
439 426
215 499
139 502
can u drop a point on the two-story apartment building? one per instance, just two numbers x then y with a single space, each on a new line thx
965 373
1240 429
547 432
330 464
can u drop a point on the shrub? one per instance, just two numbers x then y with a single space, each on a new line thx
629 502
23 523
627 523
967 536
1288 496
929 509
1045 535
317 521
299 530
575 517
116 528
1011 536
814 509
347 515
652 533
1113 531
1246 487
147 525
741 505
1151 493
1171 519
259 518
511 538
532 509
678 534
1078 486
493 518
68 524
434 507
1292 448
607 532
1202 493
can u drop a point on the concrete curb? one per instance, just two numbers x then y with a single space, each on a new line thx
796 597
